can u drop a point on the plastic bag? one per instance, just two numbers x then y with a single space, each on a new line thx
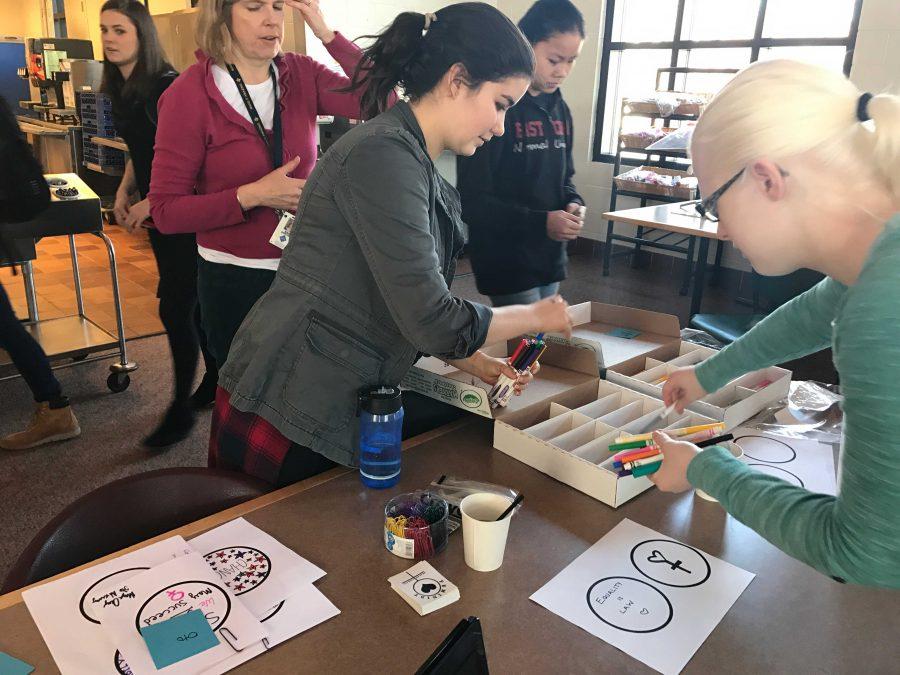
680 139
454 490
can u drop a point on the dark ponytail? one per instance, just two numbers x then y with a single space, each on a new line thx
474 34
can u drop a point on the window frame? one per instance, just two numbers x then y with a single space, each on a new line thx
677 45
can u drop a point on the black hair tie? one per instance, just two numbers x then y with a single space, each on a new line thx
862 107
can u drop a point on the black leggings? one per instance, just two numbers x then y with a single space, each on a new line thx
27 354
176 259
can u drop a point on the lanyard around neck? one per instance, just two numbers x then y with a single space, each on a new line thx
275 147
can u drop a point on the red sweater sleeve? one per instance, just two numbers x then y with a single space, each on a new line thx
179 155
331 102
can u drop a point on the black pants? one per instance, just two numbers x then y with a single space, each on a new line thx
176 260
27 354
227 293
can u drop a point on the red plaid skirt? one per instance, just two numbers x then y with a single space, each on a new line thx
245 442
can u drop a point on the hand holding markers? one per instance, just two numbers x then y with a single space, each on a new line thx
522 361
671 476
682 388
490 370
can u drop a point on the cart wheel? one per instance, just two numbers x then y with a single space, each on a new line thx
118 382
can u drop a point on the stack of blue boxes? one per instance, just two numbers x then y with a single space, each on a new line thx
96 120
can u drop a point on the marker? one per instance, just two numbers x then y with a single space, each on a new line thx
637 452
646 470
517 352
674 433
643 462
615 447
715 441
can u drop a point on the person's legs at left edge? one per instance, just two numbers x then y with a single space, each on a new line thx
549 290
53 418
525 297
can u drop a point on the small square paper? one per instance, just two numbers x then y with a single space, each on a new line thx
12 666
424 588
178 638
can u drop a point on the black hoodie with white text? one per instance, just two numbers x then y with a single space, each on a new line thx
507 189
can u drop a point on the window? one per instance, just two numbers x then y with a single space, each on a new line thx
641 36
59 18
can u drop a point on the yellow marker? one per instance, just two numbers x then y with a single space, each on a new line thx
674 433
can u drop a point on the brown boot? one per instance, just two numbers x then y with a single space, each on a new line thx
46 426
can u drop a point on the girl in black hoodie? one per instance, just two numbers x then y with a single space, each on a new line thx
518 198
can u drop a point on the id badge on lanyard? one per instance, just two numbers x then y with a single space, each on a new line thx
285 219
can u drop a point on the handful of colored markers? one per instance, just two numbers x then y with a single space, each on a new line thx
640 456
524 357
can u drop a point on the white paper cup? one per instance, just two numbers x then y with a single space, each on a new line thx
484 539
738 452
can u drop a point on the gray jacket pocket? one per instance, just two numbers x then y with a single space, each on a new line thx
331 367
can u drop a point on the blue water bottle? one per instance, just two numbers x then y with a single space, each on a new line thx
380 433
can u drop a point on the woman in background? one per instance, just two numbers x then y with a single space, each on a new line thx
236 141
135 74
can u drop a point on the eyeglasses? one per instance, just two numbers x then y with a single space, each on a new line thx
709 208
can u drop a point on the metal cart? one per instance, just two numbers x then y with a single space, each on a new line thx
74 209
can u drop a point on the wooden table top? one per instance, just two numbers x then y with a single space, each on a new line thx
678 217
791 619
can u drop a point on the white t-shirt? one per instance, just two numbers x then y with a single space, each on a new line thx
261 95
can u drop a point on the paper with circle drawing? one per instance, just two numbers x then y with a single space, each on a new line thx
300 612
168 590
649 595
65 610
801 462
258 568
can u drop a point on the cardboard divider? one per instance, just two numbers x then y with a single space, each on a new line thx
575 455
558 425
627 413
691 358
597 451
730 404
651 375
600 407
580 435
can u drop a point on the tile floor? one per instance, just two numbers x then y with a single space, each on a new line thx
55 285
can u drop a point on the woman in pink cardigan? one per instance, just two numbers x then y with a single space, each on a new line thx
228 162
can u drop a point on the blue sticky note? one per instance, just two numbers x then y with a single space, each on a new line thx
11 666
179 638
627 333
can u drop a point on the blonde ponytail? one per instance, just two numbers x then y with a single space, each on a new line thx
781 108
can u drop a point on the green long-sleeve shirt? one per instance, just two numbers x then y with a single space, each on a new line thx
856 535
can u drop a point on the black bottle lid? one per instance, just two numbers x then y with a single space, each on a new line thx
380 400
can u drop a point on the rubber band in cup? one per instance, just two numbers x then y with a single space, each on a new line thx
737 452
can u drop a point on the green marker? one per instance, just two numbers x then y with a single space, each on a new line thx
646 470
617 447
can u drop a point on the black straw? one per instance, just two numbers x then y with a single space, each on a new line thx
715 441
515 503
